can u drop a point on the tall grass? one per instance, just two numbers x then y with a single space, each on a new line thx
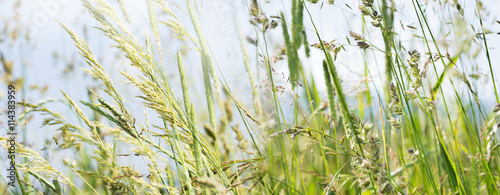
422 128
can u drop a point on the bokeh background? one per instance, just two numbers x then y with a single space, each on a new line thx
45 61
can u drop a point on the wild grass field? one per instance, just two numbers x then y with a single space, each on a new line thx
333 97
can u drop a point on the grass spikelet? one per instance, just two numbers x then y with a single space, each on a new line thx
254 8
124 11
361 41
257 104
154 27
209 184
192 118
242 143
40 168
207 64
290 53
330 90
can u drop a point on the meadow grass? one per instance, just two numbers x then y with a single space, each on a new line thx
426 130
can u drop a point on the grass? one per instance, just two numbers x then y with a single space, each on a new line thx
425 127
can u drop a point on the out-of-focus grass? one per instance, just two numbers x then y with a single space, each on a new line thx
426 131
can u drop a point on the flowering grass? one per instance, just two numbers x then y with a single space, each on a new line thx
421 123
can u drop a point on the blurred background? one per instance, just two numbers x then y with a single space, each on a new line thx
44 60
